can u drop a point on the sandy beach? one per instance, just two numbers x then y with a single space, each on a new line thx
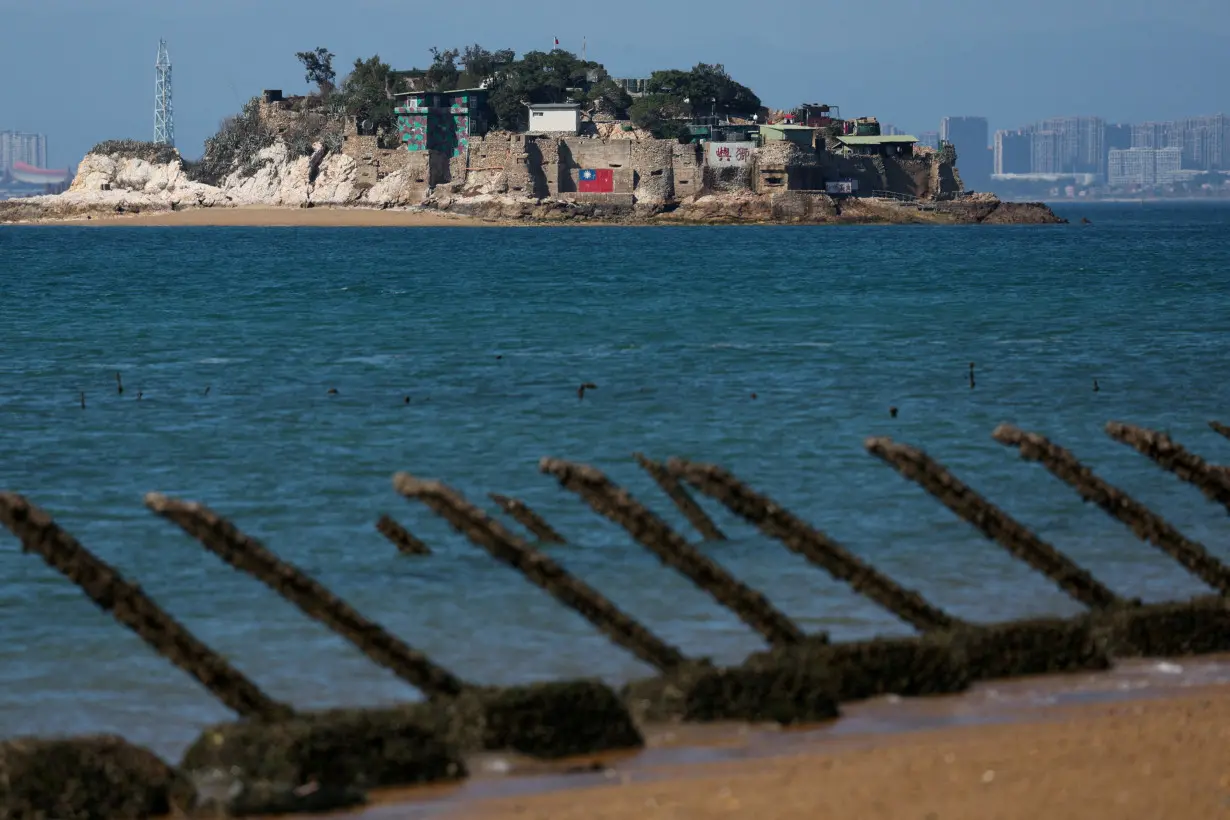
269 217
1150 758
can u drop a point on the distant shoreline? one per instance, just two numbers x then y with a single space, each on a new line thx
1222 200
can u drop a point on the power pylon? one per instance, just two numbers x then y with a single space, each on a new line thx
164 114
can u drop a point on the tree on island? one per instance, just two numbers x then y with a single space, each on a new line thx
706 89
367 95
319 67
675 97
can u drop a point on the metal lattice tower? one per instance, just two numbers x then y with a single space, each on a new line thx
164 114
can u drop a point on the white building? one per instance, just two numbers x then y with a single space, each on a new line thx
1144 167
555 118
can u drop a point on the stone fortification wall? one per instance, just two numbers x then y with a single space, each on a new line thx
373 164
688 169
280 116
653 167
784 166
548 166
648 172
577 153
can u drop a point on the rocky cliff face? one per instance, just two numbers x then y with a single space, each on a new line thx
124 183
117 183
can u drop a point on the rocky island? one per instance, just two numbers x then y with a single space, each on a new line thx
391 142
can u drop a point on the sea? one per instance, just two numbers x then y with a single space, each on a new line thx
456 354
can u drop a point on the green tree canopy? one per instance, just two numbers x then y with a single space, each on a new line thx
662 115
319 67
367 95
541 77
704 89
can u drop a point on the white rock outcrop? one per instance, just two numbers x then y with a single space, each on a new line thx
108 183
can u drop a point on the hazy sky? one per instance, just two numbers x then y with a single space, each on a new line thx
83 70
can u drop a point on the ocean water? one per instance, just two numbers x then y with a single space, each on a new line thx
489 332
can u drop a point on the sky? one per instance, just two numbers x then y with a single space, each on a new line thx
82 71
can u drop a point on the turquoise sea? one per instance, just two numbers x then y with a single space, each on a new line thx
489 332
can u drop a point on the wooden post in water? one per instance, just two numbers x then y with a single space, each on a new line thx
401 537
993 522
776 522
1147 525
134 609
1212 481
540 570
247 554
618 505
526 517
1218 427
686 504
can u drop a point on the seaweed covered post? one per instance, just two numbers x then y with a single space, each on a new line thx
1220 429
1212 481
524 515
1146 524
248 555
130 606
993 522
777 522
541 571
616 504
402 538
687 505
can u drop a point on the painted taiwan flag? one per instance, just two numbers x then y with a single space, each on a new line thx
596 181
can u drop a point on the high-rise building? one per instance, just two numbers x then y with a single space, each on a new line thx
968 135
1156 135
929 139
1046 152
1203 140
1143 167
1080 142
1013 152
18 146
1116 137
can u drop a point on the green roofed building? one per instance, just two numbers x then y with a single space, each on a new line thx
801 135
895 145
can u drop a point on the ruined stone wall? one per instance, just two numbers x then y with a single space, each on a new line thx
776 166
278 116
576 153
373 163
687 170
653 177
861 169
909 176
548 149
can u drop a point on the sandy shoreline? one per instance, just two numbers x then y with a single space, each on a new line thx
274 217
1149 758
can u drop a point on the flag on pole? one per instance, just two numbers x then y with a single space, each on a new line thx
557 42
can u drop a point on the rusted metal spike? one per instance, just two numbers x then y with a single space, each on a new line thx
993 522
526 517
248 555
1147 525
540 570
615 503
135 610
401 537
1214 482
1220 428
798 536
686 504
